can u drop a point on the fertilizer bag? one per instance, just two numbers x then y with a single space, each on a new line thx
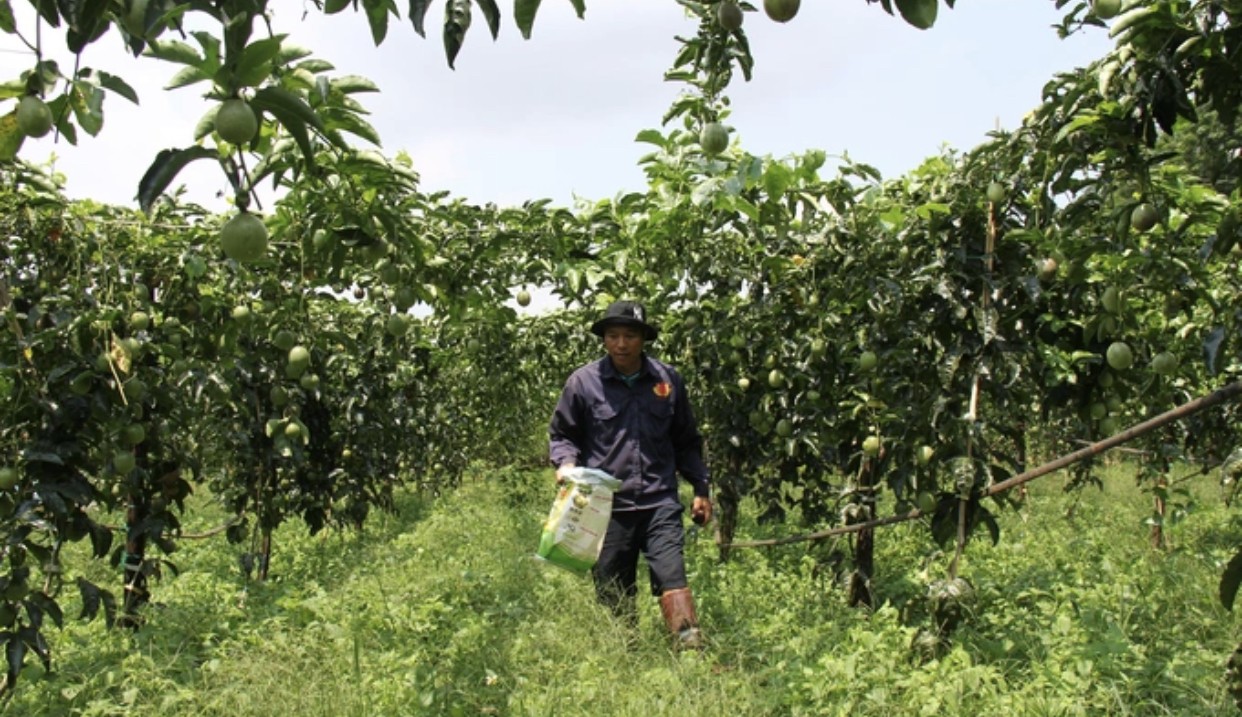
574 532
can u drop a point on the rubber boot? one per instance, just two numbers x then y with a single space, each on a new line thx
678 609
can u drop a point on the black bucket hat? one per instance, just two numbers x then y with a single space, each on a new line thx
625 313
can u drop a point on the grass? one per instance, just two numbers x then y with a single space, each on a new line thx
441 610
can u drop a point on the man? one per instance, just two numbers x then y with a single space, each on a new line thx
628 414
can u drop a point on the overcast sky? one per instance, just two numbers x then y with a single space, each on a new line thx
556 116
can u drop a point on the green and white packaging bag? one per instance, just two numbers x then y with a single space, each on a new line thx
574 532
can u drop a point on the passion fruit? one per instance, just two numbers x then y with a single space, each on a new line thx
1106 9
1164 363
298 362
34 117
236 122
781 10
729 15
714 138
244 238
1144 217
1119 356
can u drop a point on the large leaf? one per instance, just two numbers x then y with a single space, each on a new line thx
919 13
456 24
168 163
418 13
46 606
492 14
175 51
11 138
255 64
524 15
377 17
15 654
86 24
87 103
292 113
116 84
1230 581
351 84
48 11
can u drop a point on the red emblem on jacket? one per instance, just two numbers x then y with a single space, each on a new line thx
663 389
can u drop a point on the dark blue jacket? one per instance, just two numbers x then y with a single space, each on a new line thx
643 435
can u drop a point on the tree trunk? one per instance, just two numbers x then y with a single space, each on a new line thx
1158 540
133 564
727 503
859 589
265 553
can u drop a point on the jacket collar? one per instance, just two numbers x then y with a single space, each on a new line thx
608 370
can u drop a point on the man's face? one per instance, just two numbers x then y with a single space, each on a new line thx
624 345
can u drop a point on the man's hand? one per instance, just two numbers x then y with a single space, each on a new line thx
561 472
701 510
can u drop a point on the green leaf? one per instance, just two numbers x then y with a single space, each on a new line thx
43 457
255 64
944 519
351 84
15 654
276 99
418 12
168 163
1079 122
48 11
7 23
292 113
87 20
91 599
186 76
47 605
351 122
492 14
291 54
174 51
1230 581
456 24
652 136
989 521
919 13
87 103
524 15
332 7
377 17
10 137
116 84
315 65
101 539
